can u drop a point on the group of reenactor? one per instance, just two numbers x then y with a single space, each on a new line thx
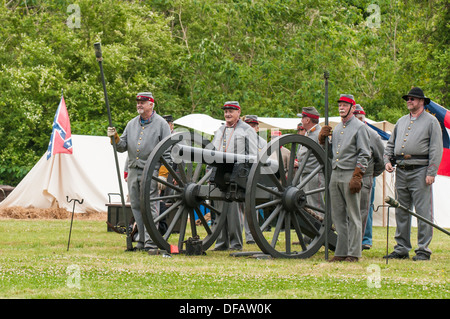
357 155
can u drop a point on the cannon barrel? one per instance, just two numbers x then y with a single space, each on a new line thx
215 180
185 153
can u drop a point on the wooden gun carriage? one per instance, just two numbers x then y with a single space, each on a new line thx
203 176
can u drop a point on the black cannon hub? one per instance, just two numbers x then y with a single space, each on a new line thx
293 198
190 195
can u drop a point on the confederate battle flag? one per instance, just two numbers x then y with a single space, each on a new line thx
61 138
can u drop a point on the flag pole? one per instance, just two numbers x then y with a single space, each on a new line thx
98 55
326 75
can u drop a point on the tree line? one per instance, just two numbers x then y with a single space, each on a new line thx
194 55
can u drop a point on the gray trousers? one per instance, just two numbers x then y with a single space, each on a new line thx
134 190
366 192
412 191
231 235
316 200
345 213
248 233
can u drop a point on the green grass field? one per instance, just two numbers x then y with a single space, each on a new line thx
35 264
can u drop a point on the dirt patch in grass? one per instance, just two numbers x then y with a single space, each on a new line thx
48 213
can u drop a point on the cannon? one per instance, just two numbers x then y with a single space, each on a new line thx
203 176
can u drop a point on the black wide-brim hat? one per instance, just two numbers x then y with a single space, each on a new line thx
416 92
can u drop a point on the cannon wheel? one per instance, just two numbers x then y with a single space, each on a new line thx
302 224
186 176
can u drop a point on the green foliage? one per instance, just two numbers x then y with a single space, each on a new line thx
196 54
41 56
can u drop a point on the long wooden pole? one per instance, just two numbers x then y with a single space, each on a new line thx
98 55
327 195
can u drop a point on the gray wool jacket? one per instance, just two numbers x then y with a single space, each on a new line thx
140 139
416 136
350 145
376 164
312 161
242 139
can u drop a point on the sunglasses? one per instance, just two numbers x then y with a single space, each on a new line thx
410 99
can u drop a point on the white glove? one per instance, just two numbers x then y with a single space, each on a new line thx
111 131
161 186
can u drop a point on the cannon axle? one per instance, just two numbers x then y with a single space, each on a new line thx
275 195
190 195
293 198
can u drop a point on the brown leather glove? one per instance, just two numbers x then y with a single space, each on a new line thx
116 138
324 133
356 181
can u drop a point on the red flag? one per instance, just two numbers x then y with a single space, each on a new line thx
443 116
61 138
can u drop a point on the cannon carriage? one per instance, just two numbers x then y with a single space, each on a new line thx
204 177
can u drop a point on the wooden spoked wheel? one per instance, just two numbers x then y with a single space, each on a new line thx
183 193
297 228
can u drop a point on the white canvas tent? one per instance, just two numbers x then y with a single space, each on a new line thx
291 123
200 122
384 182
207 124
386 187
89 174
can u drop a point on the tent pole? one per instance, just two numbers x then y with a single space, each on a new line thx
384 183
98 55
384 196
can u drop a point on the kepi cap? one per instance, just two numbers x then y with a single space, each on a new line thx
145 96
347 98
359 110
231 105
310 111
251 119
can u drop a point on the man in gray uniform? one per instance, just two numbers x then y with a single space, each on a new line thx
240 138
310 122
139 138
351 155
253 121
416 147
374 168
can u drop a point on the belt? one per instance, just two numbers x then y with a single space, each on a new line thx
403 157
410 167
